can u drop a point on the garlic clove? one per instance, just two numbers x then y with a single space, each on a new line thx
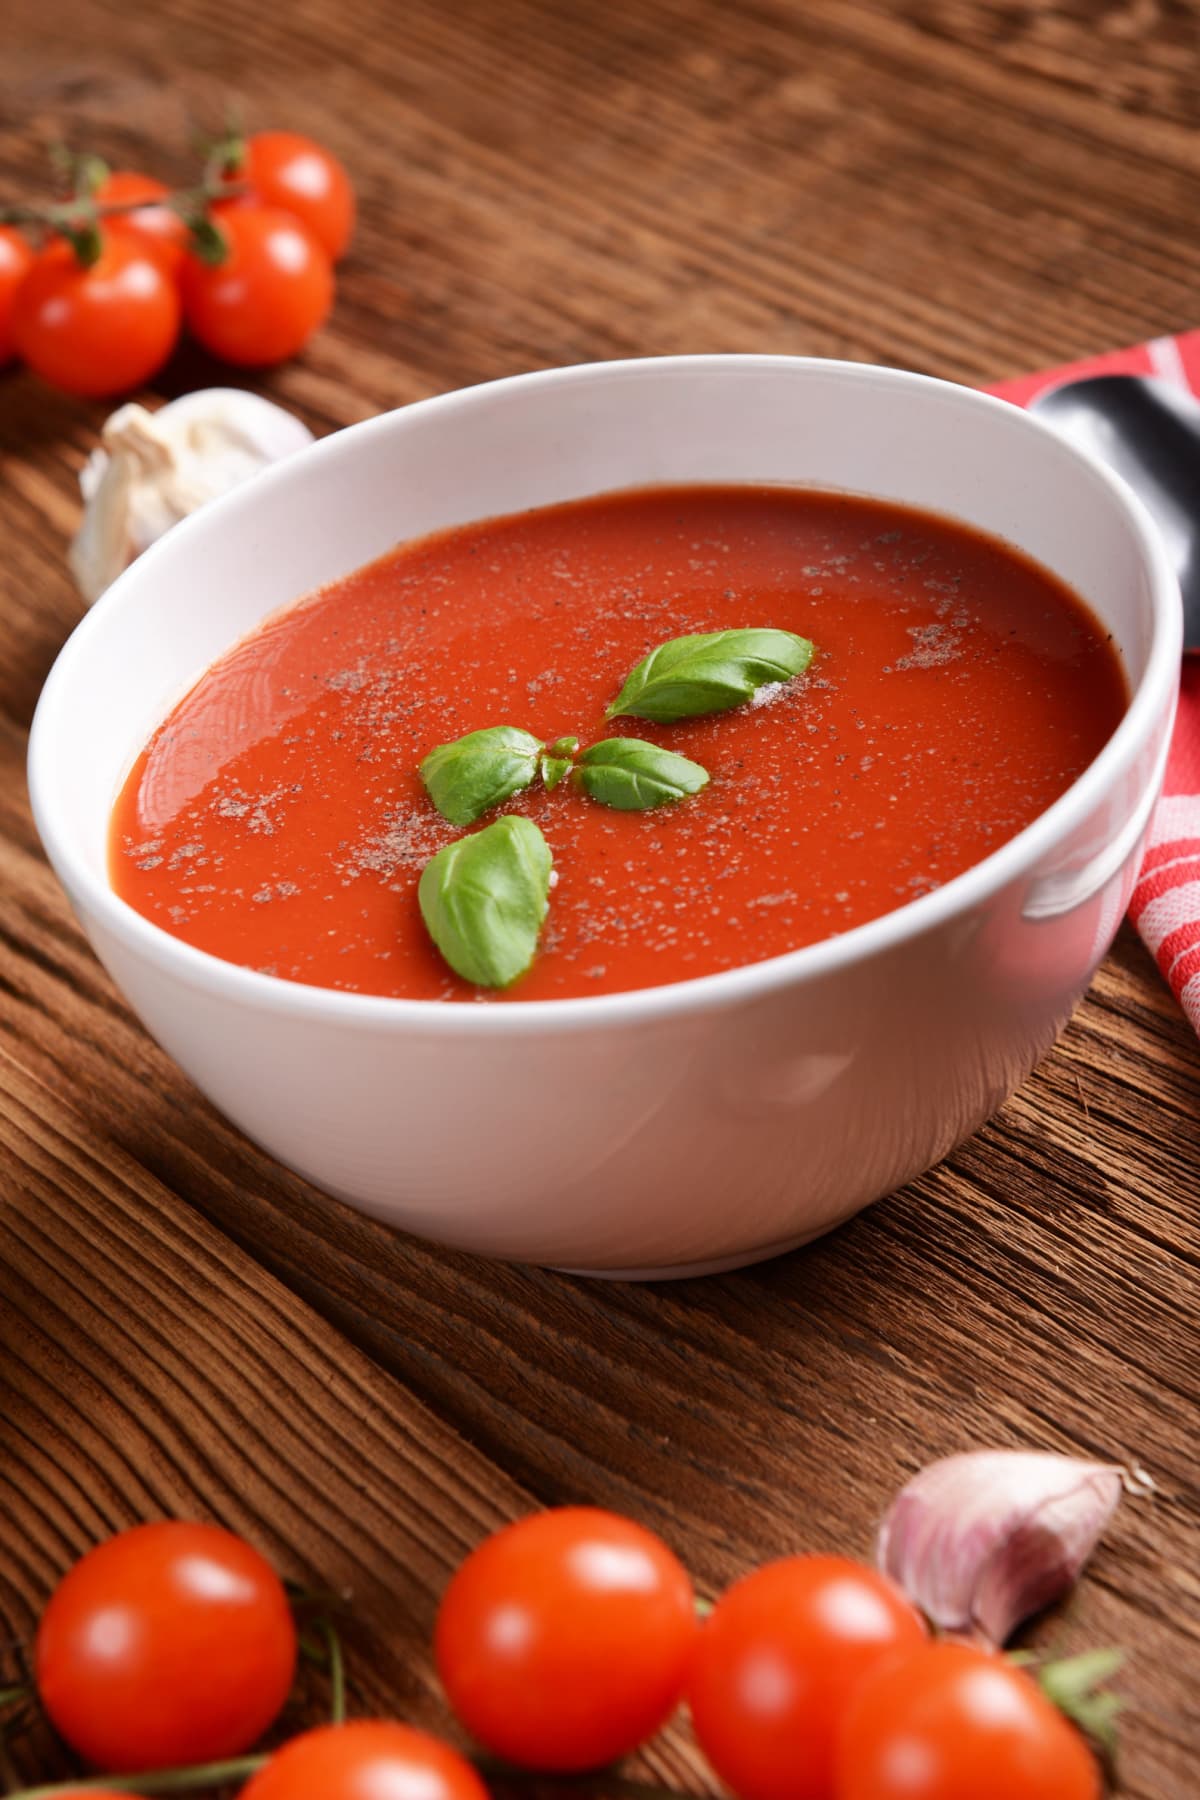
269 431
153 469
981 1541
104 543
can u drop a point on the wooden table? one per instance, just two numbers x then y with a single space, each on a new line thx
960 187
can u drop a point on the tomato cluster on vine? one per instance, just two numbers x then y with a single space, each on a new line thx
245 263
563 1642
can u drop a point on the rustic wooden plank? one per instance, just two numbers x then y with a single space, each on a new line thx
149 1368
969 188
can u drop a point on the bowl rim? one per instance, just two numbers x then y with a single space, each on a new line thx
696 994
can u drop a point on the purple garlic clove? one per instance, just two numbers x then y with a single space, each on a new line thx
981 1541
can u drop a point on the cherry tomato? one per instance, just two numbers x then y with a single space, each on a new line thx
563 1641
777 1660
101 330
272 291
288 170
170 1643
951 1720
153 225
366 1760
17 257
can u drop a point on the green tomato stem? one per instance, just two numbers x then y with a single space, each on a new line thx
79 220
153 1781
181 1781
337 1672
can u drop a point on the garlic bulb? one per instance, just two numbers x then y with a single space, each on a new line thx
152 469
980 1542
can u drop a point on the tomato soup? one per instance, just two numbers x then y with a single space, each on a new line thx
277 818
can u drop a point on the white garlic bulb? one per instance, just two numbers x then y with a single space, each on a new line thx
152 469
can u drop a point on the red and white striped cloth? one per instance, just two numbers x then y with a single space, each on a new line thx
1166 901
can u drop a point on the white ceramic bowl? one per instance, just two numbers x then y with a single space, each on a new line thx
684 1127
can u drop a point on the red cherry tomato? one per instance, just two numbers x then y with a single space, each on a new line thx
17 257
563 1641
950 1721
170 1643
777 1661
153 225
366 1760
101 330
272 291
285 169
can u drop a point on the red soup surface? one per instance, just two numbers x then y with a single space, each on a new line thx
277 819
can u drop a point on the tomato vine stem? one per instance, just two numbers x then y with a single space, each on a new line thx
153 1781
337 1671
79 220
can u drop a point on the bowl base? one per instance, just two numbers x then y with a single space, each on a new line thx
720 1265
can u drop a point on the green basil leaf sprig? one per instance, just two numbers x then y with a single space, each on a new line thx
709 672
557 760
633 776
484 900
469 776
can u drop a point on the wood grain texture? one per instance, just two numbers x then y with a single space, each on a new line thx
968 188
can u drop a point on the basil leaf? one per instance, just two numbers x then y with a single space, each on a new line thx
557 761
553 770
708 672
632 775
484 900
469 776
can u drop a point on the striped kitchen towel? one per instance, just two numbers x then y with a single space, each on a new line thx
1166 901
